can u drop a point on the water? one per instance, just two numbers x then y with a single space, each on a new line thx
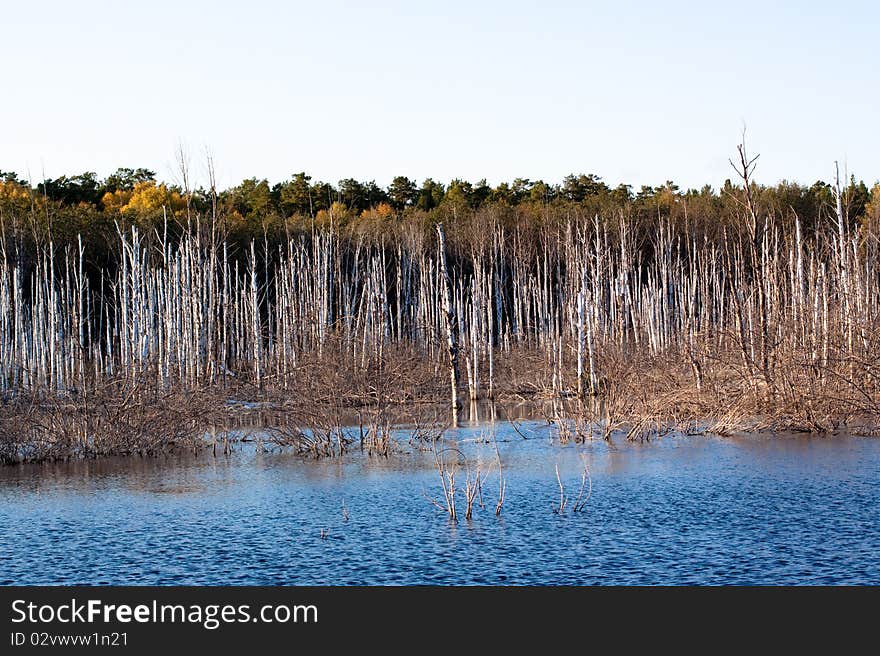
677 510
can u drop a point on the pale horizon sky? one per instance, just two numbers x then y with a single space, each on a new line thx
635 92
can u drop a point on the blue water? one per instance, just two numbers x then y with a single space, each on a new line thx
677 510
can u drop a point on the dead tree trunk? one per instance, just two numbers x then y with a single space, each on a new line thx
449 315
759 270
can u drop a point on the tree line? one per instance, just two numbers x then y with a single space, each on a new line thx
86 208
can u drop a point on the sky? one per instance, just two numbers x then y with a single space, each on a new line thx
636 92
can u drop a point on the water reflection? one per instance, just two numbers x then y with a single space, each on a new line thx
756 509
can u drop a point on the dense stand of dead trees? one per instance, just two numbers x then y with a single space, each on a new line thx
765 323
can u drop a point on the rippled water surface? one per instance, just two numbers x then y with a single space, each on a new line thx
678 510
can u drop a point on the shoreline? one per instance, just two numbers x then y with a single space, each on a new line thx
61 430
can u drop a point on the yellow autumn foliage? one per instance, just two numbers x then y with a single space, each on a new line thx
872 207
381 211
339 211
338 216
16 199
114 201
145 198
13 192
322 218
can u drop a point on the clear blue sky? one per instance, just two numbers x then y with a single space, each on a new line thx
637 92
